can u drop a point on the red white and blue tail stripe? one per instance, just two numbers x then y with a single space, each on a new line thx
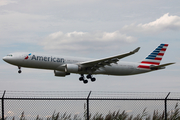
155 57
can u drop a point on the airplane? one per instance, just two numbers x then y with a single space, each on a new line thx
64 66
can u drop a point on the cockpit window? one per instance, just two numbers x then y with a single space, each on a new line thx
9 55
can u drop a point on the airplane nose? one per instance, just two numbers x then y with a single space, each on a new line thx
5 58
10 59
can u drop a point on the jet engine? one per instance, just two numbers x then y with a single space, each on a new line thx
72 68
60 73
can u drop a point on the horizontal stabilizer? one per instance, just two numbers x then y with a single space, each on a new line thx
152 67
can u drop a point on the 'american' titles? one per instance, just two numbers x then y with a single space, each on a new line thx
50 59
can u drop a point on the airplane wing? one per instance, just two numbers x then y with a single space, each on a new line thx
96 64
162 66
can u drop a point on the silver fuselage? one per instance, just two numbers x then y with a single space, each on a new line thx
49 62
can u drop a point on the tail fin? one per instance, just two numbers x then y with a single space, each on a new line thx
155 57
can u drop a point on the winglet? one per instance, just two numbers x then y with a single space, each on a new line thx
136 50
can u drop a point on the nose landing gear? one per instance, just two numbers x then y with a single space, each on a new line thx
19 71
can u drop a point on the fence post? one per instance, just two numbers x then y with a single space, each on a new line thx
88 105
2 102
165 105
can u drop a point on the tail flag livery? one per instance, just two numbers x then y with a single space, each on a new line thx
154 58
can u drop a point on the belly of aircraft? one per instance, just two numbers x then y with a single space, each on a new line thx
117 69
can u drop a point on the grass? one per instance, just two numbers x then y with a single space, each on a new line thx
116 115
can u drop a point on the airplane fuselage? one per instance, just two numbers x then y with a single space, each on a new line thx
63 65
49 62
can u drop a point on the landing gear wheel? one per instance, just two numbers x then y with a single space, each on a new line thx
93 79
88 76
81 78
19 71
85 81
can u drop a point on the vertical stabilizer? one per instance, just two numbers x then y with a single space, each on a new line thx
155 57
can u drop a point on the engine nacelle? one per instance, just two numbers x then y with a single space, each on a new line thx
72 68
60 73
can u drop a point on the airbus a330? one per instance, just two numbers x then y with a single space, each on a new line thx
63 66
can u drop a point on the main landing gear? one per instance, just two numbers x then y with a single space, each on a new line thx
19 71
89 76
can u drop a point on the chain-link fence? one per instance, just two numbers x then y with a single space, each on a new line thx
58 105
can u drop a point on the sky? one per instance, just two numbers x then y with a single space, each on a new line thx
93 29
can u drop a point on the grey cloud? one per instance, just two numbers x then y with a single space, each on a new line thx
85 40
6 2
17 26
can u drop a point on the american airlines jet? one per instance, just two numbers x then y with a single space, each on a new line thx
63 66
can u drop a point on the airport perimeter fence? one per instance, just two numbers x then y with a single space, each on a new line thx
89 105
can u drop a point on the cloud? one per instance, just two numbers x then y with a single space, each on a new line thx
20 27
75 41
6 2
166 22
20 21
